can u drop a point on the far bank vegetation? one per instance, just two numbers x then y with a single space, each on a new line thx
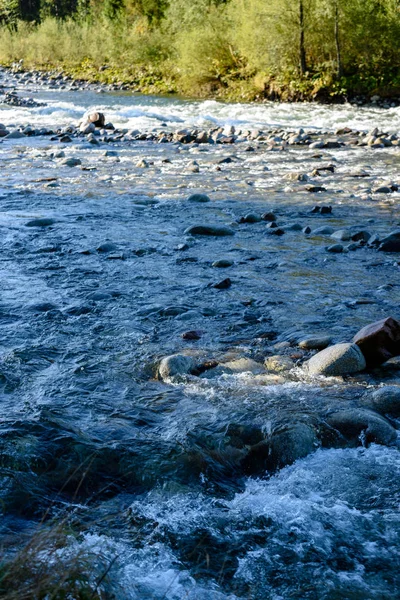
235 49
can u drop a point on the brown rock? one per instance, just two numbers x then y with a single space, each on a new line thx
97 118
379 341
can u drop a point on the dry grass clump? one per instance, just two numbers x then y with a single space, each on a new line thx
53 565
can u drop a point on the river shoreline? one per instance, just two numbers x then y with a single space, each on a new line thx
111 79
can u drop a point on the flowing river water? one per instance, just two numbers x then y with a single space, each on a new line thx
165 480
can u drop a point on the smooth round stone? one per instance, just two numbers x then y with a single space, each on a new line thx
199 198
251 218
222 264
106 247
44 222
362 426
278 363
292 227
212 230
335 249
323 230
339 359
316 343
176 364
343 235
244 365
385 400
71 162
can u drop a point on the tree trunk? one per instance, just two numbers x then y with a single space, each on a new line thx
302 50
339 65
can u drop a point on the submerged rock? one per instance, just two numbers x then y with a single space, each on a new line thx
278 363
244 365
379 341
176 364
360 426
212 230
339 359
222 263
199 198
43 222
316 342
284 447
391 243
71 162
385 401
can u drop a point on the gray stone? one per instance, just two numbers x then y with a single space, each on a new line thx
250 218
391 243
362 426
142 164
292 227
336 248
384 189
43 222
71 162
213 230
278 363
297 177
343 235
385 401
176 364
14 135
296 441
316 342
87 128
199 198
339 359
222 264
326 230
244 365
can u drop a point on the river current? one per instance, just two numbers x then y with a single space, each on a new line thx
159 481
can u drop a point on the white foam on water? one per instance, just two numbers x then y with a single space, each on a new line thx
143 112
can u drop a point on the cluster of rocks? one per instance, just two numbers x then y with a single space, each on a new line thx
12 99
357 237
370 347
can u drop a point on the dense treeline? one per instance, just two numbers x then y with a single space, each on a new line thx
241 48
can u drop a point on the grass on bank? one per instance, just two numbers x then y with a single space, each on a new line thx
232 50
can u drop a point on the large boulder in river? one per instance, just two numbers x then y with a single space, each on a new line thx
379 341
176 364
286 445
340 359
